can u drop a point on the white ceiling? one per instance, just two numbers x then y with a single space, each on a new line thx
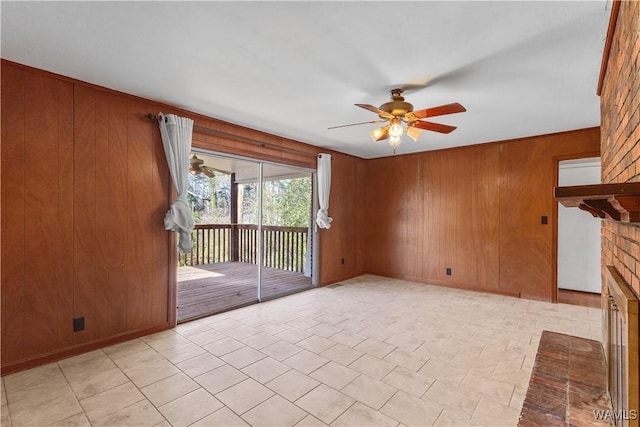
296 68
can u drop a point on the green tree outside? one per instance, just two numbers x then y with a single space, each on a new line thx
285 202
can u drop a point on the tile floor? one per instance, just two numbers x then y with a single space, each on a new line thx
374 351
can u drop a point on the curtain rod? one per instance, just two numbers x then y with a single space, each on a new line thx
239 138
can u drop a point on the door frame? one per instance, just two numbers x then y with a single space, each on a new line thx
554 239
172 316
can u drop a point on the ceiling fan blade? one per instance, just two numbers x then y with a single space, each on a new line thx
356 124
376 110
438 111
207 171
436 127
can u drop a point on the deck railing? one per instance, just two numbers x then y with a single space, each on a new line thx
283 247
211 243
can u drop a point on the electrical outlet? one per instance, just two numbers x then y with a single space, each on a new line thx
78 324
448 271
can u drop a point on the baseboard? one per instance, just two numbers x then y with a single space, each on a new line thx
75 350
471 288
585 299
324 283
448 284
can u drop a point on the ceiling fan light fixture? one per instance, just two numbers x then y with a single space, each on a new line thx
395 130
413 133
379 133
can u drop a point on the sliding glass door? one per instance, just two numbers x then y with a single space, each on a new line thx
252 239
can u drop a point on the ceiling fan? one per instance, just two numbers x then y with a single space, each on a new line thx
397 111
196 167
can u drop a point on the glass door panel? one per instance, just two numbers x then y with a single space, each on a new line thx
221 270
286 231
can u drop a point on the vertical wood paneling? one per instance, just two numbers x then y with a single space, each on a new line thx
379 187
449 232
432 205
404 241
140 228
139 203
332 241
373 235
64 249
470 252
85 234
118 200
161 189
13 213
360 217
435 210
475 255
525 243
41 207
104 308
35 191
341 241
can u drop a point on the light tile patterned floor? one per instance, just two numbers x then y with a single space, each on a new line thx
374 351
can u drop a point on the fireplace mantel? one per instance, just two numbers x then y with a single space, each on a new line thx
618 202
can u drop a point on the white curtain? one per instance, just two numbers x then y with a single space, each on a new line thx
176 138
324 188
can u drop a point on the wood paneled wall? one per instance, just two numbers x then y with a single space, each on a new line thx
121 193
37 189
84 191
476 210
85 187
426 209
528 174
345 238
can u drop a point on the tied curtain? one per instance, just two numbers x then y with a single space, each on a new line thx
176 138
324 188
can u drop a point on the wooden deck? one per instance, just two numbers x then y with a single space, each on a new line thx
212 288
